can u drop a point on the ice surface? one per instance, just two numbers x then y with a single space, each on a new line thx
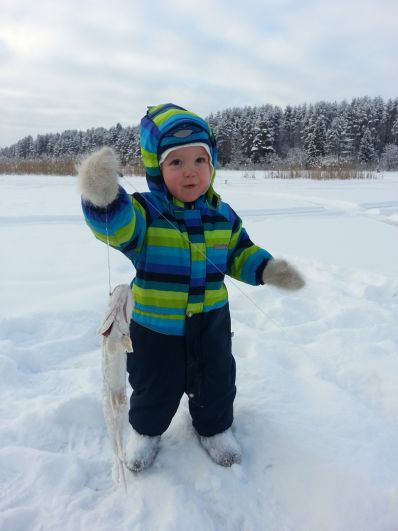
317 408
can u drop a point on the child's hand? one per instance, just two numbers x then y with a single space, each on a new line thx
280 273
98 177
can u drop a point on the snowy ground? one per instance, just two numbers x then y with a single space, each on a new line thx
317 404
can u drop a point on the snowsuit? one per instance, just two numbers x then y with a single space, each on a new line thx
180 329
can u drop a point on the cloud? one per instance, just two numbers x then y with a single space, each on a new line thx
90 63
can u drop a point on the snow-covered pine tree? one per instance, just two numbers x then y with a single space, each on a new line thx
367 152
286 131
275 119
247 131
391 114
338 142
224 139
24 148
40 145
364 117
237 155
299 123
394 130
379 122
315 139
113 134
263 139
126 145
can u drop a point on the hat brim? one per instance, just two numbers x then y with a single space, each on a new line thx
193 144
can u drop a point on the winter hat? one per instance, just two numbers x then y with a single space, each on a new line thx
183 134
169 126
194 144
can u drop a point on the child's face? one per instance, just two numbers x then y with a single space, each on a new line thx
186 172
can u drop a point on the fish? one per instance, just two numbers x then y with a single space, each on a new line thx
116 342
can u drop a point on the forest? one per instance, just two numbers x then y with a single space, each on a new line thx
362 133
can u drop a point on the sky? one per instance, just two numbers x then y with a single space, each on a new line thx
77 64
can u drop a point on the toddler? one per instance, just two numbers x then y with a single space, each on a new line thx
182 240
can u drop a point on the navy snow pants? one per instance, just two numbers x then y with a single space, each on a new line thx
164 367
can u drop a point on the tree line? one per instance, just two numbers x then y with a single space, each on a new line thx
72 143
362 132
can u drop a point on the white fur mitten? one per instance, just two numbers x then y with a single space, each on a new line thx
280 273
98 177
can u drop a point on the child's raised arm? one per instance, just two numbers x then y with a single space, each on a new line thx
112 214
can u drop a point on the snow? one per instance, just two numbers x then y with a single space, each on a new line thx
317 409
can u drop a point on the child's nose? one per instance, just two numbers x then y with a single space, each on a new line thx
189 170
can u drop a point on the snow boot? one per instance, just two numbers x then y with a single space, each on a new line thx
223 448
140 451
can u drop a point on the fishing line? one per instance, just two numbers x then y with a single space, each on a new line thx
108 252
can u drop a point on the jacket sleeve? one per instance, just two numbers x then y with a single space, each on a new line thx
123 223
246 261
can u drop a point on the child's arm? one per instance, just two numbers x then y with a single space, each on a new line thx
110 212
252 264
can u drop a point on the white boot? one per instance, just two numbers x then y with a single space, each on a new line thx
223 448
140 451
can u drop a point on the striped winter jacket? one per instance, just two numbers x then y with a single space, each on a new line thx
181 252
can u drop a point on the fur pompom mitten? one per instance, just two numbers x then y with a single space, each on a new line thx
280 273
98 177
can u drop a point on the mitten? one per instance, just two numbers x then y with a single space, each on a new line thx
280 273
98 177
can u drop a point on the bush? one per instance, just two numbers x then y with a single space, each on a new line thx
57 166
134 167
45 166
342 172
389 157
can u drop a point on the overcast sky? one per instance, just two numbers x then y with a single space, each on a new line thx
77 64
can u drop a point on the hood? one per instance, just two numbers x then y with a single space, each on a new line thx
168 125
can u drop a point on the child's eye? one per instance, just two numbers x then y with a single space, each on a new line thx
201 160
175 162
